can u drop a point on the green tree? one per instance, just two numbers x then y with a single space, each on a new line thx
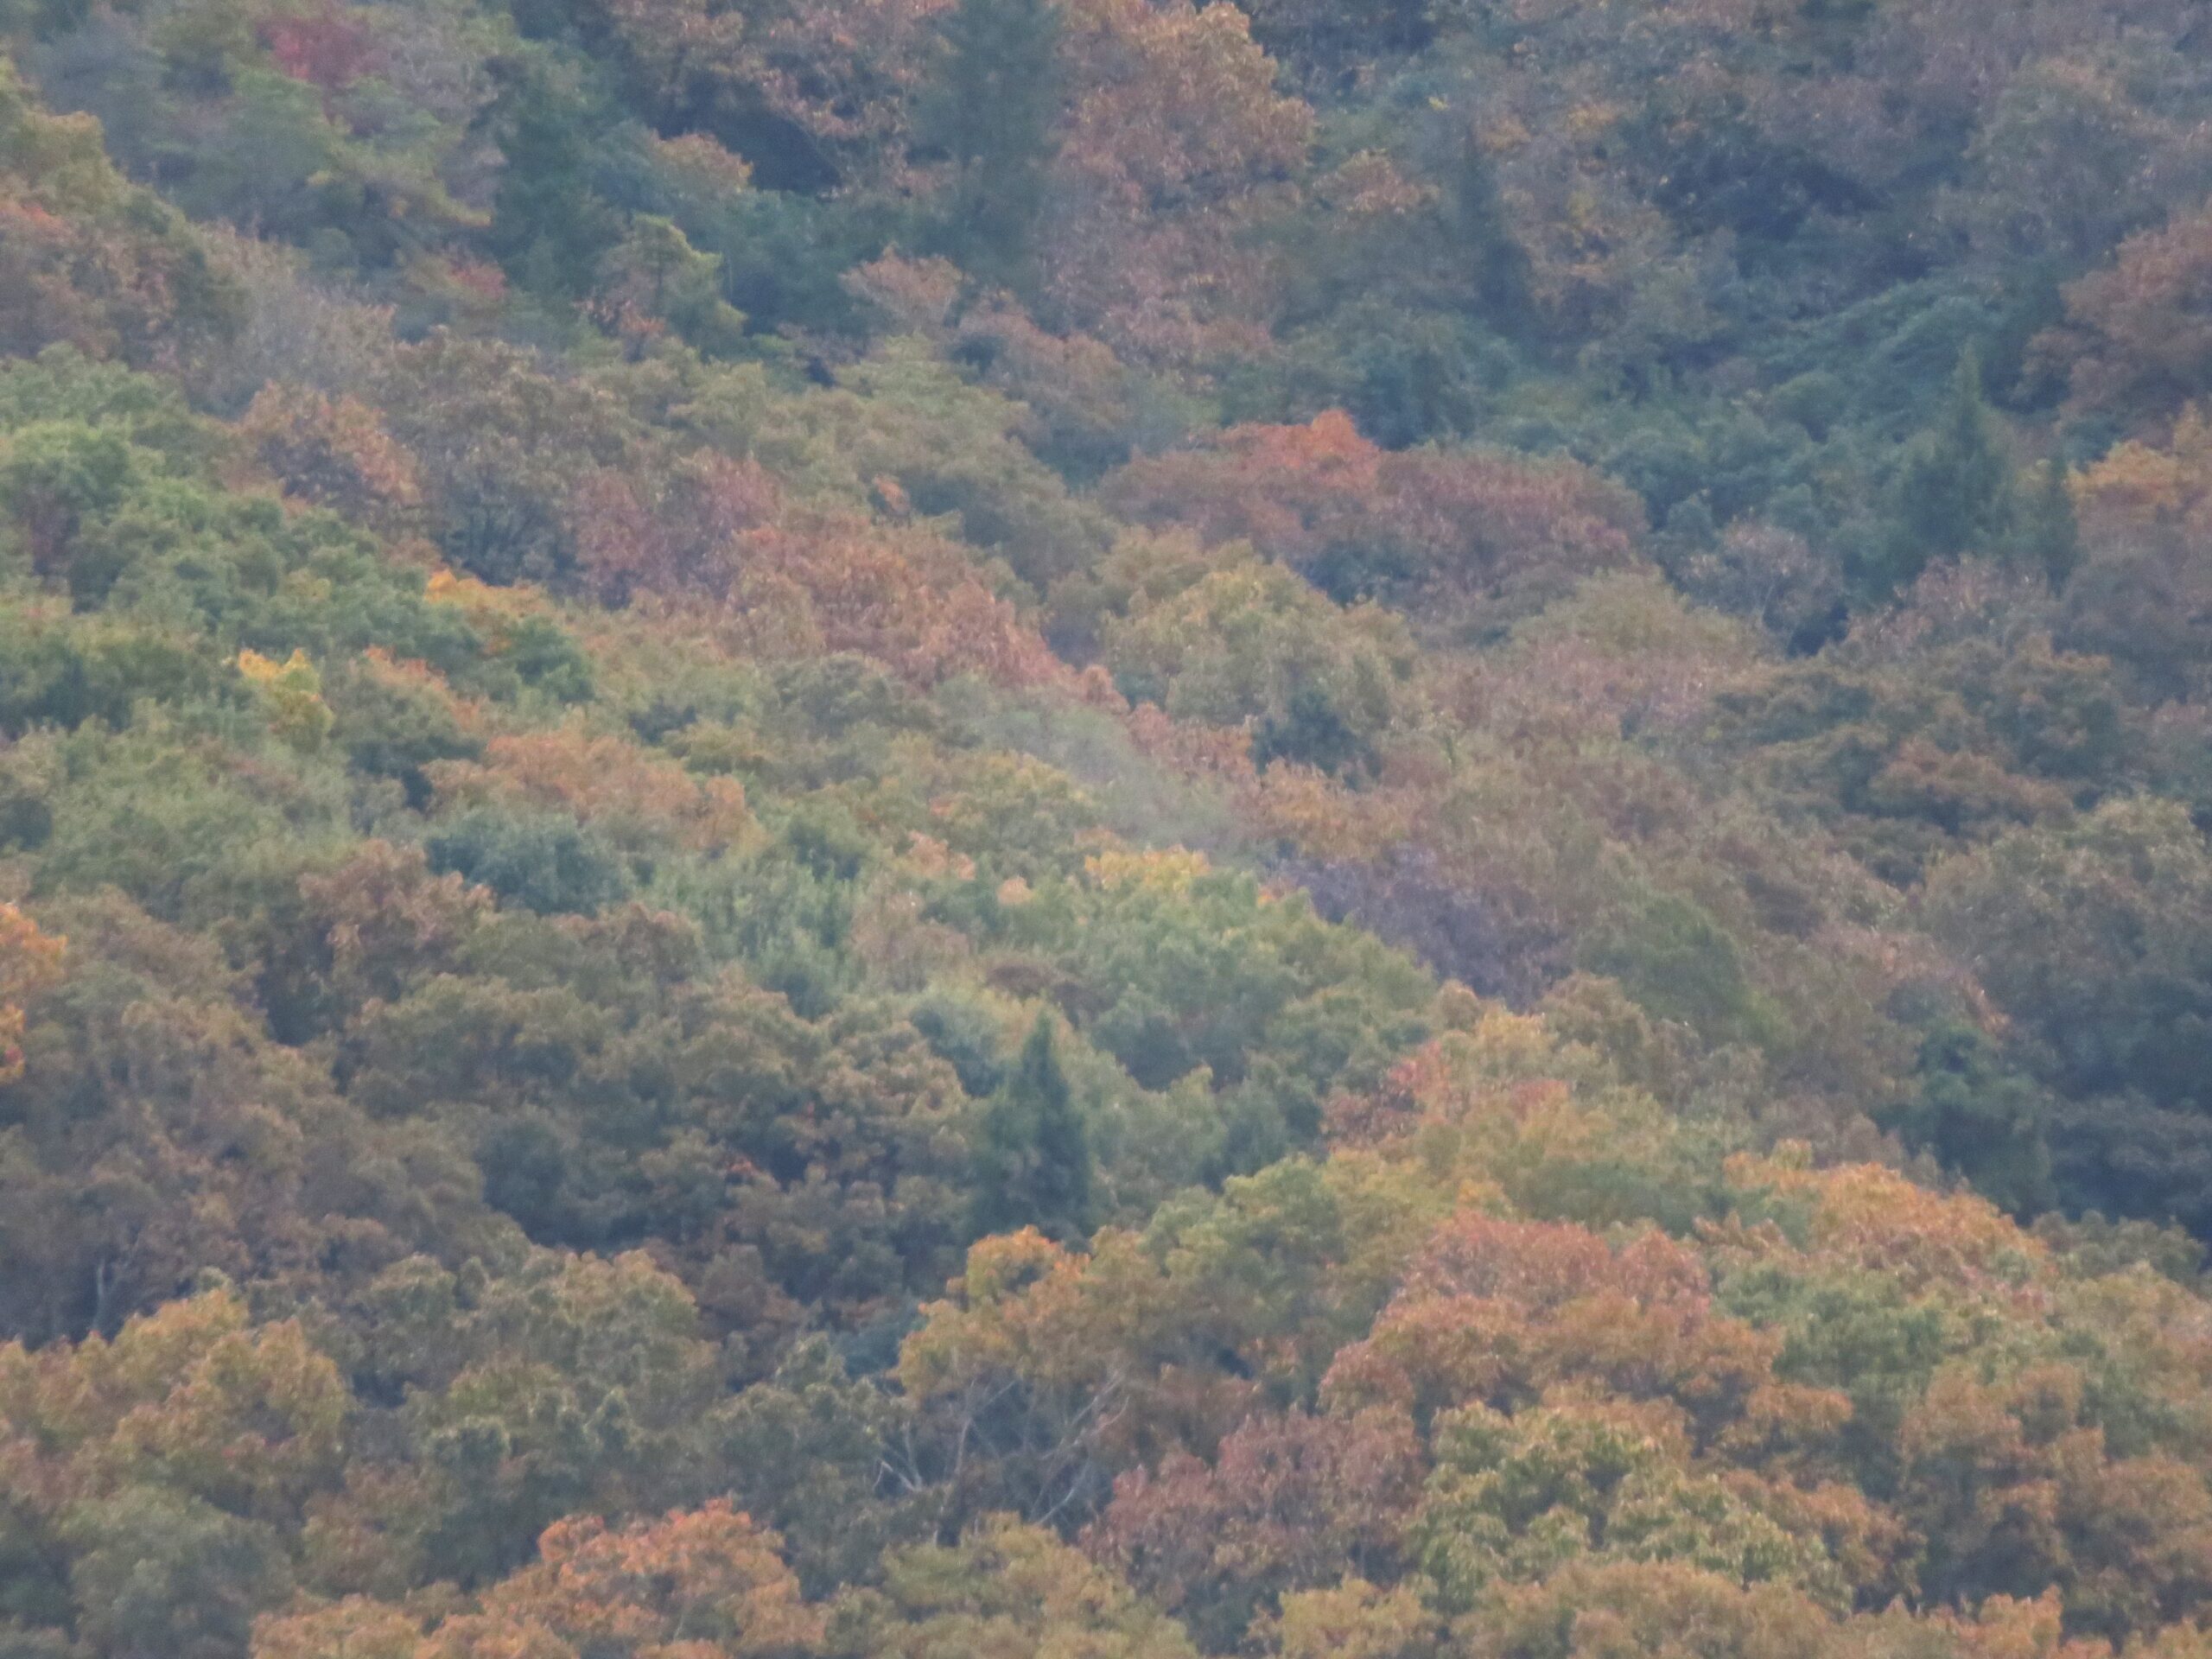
1006 1589
1032 1157
1979 1116
57 476
1674 957
657 279
542 861
1956 492
549 225
992 112
2051 536
1311 732
161 1576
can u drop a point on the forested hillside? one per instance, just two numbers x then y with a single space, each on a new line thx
971 828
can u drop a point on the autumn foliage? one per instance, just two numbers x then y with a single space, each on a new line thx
1105 829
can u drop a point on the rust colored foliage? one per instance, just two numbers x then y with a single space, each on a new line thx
673 534
1496 1313
88 259
1174 142
690 1584
900 594
1290 1502
321 46
30 962
2138 333
653 1590
1428 520
333 453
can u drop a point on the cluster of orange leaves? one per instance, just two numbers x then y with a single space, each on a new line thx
30 962
691 1585
787 581
1174 142
83 257
333 453
2138 332
1466 520
2144 488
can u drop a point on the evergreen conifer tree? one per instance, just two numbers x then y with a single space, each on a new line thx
1032 1157
1956 493
2051 538
550 225
991 112
1499 264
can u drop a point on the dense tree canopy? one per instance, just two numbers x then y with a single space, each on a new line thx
962 829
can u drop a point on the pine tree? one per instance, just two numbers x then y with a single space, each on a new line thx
1499 264
1033 1157
2051 537
1956 493
549 225
991 112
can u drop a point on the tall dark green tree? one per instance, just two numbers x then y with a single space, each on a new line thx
549 224
1033 1157
1957 492
2050 537
1980 1117
1312 731
991 112
1474 213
